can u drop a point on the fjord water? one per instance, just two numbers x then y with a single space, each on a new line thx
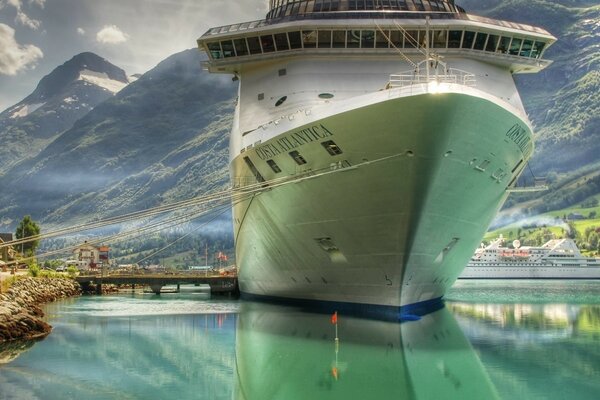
494 339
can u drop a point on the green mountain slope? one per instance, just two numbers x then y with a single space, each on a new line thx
563 101
163 137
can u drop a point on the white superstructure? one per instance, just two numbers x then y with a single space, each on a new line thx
372 144
556 259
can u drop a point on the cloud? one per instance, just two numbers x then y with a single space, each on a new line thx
81 31
22 18
111 34
13 56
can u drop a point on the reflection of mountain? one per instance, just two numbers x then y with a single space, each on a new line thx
535 351
282 353
92 356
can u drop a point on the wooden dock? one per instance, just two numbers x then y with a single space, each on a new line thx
218 283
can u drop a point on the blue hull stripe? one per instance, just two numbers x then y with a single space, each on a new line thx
408 312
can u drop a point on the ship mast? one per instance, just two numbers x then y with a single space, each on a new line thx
427 48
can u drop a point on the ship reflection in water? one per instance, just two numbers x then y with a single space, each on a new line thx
481 346
288 354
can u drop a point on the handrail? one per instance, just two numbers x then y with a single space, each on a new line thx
452 75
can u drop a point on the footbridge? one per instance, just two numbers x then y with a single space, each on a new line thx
218 283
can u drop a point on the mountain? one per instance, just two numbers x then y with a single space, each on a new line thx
162 138
62 97
563 101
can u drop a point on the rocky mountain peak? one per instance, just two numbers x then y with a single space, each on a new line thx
85 66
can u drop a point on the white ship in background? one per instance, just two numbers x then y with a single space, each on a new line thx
556 259
373 143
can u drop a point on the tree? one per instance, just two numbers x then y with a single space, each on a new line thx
27 228
593 240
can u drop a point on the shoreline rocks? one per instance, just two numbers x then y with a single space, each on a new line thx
20 314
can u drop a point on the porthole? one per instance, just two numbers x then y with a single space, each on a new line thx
280 101
325 96
409 153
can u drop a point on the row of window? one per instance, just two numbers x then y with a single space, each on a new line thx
372 39
330 146
285 8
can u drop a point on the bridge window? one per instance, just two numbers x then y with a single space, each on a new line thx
411 39
480 41
254 45
281 42
468 37
353 39
324 39
367 39
295 40
227 46
309 38
396 39
268 45
439 39
215 50
515 46
241 48
504 45
339 39
538 47
526 48
492 43
381 39
454 38
370 39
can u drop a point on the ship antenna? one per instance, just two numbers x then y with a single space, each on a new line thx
427 56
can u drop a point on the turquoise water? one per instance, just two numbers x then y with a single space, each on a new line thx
495 339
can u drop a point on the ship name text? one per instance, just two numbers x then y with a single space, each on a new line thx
292 141
519 135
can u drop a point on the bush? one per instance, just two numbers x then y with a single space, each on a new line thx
34 269
72 271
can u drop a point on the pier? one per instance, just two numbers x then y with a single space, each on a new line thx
218 284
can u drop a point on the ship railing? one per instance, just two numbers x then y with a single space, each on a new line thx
451 75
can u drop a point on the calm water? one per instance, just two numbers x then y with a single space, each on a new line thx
498 339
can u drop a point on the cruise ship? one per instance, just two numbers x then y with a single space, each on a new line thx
556 259
372 144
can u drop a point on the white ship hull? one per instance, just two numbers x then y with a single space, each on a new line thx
404 206
541 272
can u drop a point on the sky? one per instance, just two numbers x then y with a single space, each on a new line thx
36 36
